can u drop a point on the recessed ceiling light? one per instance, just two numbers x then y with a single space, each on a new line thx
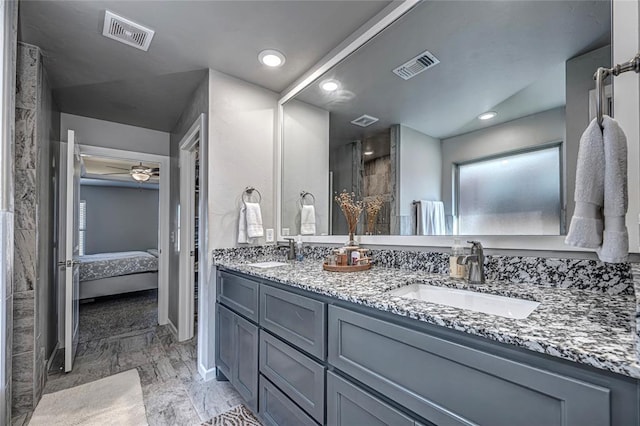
368 153
487 115
330 85
271 58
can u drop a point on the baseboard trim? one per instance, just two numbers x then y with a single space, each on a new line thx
206 375
172 328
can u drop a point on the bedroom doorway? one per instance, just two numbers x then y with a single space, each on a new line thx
124 235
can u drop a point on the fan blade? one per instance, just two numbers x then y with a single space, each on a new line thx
113 174
117 168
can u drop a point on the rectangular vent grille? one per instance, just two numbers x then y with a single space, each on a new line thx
364 121
415 66
126 31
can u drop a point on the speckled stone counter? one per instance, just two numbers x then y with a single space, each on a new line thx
583 326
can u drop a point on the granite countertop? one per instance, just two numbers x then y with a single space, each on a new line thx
577 325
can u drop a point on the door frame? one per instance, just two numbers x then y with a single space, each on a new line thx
188 147
164 225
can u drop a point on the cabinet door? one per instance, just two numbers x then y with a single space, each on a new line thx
225 349
348 405
245 375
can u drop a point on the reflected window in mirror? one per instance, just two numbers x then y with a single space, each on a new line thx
513 194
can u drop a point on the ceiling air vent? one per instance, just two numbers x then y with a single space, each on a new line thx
364 121
415 66
126 31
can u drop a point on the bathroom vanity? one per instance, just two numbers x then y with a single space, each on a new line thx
305 346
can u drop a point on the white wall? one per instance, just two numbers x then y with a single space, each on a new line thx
420 168
107 134
241 153
536 129
305 164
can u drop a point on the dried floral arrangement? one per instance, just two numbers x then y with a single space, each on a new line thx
373 206
350 208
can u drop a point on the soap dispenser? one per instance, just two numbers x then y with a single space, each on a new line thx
457 250
299 248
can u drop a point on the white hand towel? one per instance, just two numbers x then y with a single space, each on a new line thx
254 221
615 240
308 220
242 227
586 225
430 218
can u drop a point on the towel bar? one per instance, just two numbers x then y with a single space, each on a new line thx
248 191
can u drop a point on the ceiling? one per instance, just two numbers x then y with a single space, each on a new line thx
98 77
494 55
113 169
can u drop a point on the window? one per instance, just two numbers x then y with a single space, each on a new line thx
514 194
82 225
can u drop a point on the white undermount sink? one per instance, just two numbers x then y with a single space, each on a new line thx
266 265
508 307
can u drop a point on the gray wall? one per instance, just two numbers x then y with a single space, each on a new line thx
529 131
579 81
107 134
241 153
36 142
420 169
305 164
120 219
198 104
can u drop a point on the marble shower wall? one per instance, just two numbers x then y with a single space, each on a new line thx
9 16
33 229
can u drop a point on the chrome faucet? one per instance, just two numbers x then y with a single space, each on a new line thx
475 263
291 253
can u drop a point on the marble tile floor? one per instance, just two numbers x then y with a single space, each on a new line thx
173 391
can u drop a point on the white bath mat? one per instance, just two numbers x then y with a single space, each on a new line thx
114 400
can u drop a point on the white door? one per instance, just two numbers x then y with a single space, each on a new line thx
72 282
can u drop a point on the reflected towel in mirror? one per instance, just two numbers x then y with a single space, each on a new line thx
308 220
430 218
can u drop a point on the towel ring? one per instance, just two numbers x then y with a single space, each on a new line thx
632 65
248 191
303 197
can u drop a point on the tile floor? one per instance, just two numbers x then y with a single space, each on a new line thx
120 335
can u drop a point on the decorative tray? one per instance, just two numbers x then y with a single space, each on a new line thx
349 268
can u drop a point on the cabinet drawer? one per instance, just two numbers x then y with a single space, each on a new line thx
301 378
348 405
297 319
239 294
278 410
450 384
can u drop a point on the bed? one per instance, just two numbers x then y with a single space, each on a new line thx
107 274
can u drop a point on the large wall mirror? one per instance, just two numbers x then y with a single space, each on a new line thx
463 117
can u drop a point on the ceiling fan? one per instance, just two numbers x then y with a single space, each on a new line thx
139 173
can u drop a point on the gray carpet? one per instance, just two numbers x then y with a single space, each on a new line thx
117 315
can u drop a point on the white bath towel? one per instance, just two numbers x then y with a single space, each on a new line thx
250 223
308 220
586 225
601 189
615 239
430 218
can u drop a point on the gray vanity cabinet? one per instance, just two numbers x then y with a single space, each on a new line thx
450 384
348 405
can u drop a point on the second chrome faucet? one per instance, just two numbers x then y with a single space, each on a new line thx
474 262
